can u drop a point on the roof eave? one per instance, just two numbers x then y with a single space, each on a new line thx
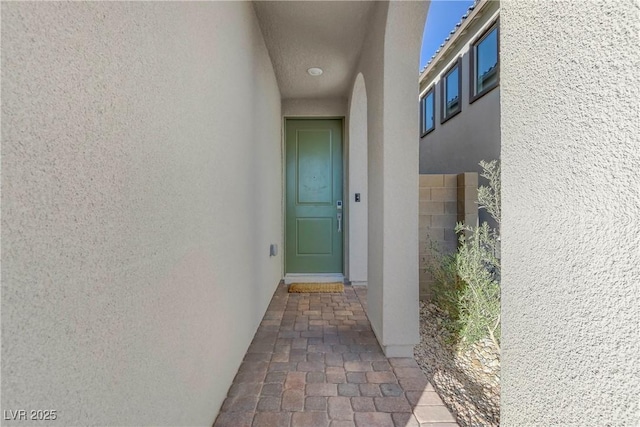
473 13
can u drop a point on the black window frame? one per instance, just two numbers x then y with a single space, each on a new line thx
443 92
423 103
472 62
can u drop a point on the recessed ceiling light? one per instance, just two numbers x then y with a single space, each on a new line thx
314 71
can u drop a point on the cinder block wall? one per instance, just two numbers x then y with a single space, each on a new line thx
444 200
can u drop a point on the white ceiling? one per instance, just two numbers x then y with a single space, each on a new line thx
304 34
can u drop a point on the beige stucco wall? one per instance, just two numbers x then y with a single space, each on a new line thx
405 24
357 172
371 66
314 107
139 198
388 62
571 203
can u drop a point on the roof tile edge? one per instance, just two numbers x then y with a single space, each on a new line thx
457 31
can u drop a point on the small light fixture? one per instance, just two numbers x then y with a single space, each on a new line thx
314 71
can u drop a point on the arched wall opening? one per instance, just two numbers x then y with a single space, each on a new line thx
389 66
357 183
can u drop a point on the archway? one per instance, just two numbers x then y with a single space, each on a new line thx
389 65
357 187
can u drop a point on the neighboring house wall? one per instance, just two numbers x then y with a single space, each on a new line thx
571 203
141 188
460 143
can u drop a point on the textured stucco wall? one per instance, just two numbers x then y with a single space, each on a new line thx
371 66
314 107
571 203
388 62
357 211
459 144
405 24
141 187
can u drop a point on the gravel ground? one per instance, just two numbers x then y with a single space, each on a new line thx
467 381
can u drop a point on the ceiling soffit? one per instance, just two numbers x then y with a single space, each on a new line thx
304 34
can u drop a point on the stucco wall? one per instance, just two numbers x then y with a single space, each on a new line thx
315 107
571 203
371 66
460 143
141 187
405 24
357 171
388 62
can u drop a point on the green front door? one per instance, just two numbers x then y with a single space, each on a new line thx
315 216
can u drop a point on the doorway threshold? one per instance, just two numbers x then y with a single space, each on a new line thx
290 278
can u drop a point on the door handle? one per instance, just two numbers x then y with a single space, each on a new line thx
339 222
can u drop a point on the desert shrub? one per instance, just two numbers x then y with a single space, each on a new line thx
467 283
447 286
478 264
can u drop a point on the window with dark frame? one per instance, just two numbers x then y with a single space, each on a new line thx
451 93
427 113
485 63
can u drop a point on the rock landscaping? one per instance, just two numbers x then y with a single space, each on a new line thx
468 381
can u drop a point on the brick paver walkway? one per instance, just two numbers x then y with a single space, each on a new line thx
315 361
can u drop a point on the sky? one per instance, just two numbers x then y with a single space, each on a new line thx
442 18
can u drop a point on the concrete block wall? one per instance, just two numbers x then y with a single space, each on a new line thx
445 199
467 203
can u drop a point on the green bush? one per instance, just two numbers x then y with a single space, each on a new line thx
478 264
467 284
447 287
